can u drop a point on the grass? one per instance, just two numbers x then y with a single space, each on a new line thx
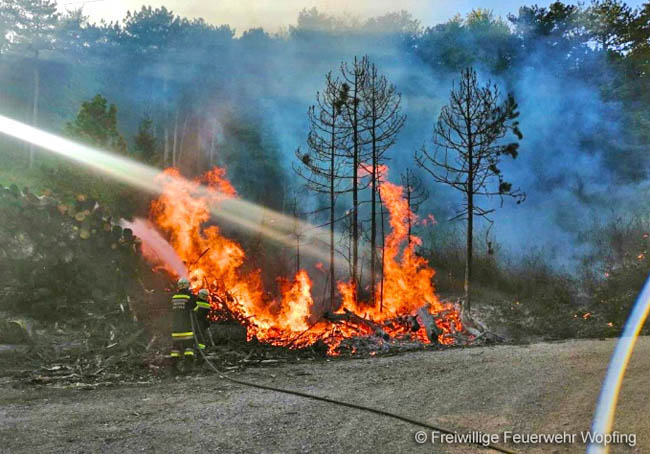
66 180
528 297
14 169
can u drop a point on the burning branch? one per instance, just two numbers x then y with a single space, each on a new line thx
236 294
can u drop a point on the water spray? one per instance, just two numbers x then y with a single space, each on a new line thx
606 408
249 216
241 213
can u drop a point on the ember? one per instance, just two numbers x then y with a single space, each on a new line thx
292 320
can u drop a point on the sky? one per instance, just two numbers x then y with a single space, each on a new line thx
272 15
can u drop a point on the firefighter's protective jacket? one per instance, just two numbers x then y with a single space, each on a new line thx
182 335
202 309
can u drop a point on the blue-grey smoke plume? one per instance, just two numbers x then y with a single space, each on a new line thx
207 84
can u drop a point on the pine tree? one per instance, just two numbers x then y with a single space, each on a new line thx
354 79
382 123
415 194
145 141
468 138
322 167
35 23
96 124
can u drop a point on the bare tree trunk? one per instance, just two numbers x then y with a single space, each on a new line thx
165 122
409 220
212 140
297 253
375 92
381 120
183 134
296 230
166 150
468 256
373 189
332 208
373 221
383 249
37 86
323 141
355 188
415 195
350 242
470 212
469 130
175 140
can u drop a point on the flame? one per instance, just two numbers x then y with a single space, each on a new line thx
182 214
408 279
429 220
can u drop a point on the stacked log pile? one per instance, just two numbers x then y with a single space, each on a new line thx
68 262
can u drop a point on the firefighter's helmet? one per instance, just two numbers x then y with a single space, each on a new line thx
204 294
183 284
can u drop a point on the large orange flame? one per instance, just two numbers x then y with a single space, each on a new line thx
182 213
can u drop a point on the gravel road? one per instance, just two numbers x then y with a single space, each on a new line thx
539 388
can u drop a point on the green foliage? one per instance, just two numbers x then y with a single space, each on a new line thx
253 161
157 62
151 30
532 298
145 141
617 266
33 24
6 23
96 124
480 39
556 26
396 23
469 144
614 296
609 22
523 297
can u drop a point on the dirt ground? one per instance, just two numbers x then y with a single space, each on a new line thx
540 388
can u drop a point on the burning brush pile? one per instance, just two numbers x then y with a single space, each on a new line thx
406 309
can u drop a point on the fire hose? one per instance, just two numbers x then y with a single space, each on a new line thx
328 400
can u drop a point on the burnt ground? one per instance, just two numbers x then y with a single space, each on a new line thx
546 387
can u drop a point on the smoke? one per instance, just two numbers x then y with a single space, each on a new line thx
573 163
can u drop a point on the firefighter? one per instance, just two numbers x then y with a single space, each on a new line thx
183 302
202 309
